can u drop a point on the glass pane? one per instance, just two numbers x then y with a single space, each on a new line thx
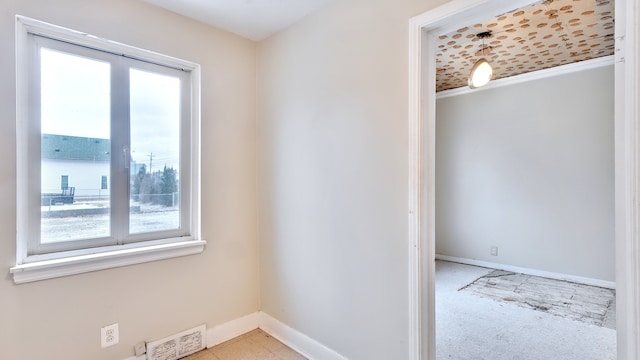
75 141
155 152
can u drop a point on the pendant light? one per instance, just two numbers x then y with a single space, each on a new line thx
481 73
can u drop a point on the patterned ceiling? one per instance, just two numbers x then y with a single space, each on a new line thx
543 35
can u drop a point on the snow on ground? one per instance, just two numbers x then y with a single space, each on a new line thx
150 218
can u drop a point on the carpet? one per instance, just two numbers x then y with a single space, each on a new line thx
473 327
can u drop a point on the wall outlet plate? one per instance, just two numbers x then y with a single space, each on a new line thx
494 251
109 335
140 348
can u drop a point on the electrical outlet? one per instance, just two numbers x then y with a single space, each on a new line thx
494 251
109 335
140 348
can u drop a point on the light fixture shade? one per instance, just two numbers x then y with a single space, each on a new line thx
481 74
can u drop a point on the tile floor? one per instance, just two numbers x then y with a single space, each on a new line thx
254 345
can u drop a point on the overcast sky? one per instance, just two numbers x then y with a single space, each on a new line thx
76 102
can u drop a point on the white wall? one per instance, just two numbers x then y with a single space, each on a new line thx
85 176
61 318
332 145
529 168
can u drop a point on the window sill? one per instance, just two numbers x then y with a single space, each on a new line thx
50 269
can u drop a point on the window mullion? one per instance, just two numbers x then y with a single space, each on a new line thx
121 151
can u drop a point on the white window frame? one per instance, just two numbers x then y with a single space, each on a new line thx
30 267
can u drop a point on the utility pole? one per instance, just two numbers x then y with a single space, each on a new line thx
150 162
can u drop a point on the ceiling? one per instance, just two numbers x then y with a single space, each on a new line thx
252 19
543 35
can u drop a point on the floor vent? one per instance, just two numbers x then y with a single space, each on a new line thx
177 346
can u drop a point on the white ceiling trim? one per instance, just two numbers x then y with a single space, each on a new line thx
531 76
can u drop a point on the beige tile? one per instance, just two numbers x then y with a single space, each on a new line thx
254 345
240 350
202 355
265 340
270 356
287 353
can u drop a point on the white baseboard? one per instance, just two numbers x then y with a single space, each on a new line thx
306 346
231 329
534 272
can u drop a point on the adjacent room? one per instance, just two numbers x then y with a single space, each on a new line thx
525 184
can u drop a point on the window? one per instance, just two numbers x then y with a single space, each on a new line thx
86 107
64 182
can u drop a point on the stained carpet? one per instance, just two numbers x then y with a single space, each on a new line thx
589 304
473 327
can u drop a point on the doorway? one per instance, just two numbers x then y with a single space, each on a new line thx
524 183
422 168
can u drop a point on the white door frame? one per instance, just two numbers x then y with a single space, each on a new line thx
421 226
